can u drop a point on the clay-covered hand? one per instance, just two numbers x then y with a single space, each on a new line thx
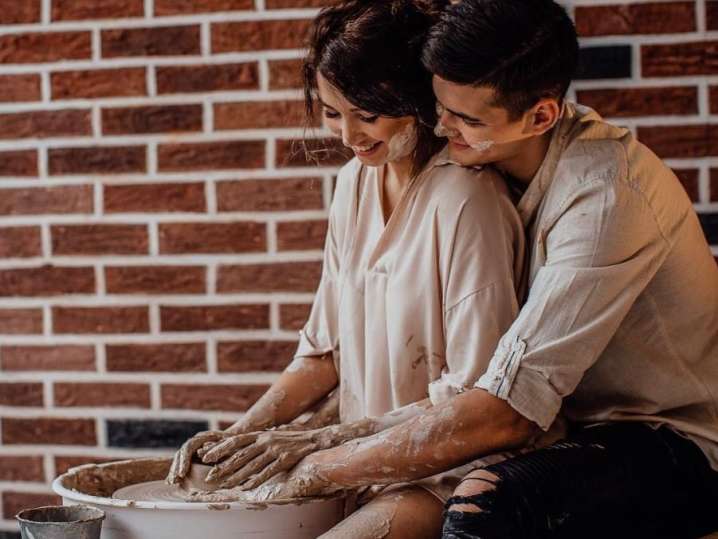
305 480
252 459
183 457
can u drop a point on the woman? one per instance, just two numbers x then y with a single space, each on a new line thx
421 268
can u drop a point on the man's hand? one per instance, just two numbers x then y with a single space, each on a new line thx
303 481
259 454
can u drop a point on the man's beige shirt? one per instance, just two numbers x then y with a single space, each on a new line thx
415 307
621 320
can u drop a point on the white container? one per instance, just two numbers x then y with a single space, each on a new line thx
94 484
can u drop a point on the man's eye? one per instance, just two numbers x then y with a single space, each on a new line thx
331 114
473 123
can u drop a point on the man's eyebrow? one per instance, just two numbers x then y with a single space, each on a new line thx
462 115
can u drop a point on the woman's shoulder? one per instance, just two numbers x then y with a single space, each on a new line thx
454 185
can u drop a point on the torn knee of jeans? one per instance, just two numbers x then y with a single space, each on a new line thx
483 499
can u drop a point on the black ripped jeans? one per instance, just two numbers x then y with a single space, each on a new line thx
610 481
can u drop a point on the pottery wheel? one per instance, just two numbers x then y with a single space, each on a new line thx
152 491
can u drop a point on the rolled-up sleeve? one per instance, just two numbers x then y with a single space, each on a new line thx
601 251
480 289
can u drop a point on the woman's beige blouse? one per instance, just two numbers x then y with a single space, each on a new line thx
415 307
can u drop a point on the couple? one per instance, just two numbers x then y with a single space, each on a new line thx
562 384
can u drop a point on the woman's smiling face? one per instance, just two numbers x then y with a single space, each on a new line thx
375 140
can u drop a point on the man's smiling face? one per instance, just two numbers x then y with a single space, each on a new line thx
479 131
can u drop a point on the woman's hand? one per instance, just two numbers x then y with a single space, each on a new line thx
256 457
307 479
252 459
183 457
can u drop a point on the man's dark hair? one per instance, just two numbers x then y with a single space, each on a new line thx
371 51
525 50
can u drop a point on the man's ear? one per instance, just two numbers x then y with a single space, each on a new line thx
543 116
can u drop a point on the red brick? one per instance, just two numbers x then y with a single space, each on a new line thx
18 163
156 280
627 102
159 41
198 238
48 358
185 7
289 194
91 84
328 152
259 35
21 394
63 463
46 200
225 397
285 74
165 357
293 316
22 468
86 395
44 47
20 12
713 94
207 78
98 160
100 320
74 10
47 281
714 185
20 242
689 179
277 277
99 239
255 356
681 140
46 124
286 4
679 59
155 197
214 317
648 18
211 155
712 15
20 321
301 235
48 430
260 115
151 119
24 87
14 502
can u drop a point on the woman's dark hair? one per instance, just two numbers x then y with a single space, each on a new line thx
370 50
525 50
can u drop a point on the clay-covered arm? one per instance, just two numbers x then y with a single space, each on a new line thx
253 458
304 383
471 425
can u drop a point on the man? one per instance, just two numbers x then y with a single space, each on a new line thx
620 329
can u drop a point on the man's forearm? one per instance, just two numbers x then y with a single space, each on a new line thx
471 425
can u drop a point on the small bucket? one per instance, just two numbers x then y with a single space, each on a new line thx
61 522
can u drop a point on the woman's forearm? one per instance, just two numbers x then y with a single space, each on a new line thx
305 382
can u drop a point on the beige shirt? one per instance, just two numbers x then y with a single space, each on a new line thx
621 321
415 307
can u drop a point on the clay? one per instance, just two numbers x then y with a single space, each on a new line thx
403 143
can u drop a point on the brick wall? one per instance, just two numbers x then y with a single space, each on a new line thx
160 236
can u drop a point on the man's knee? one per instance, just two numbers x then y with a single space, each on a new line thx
481 507
475 485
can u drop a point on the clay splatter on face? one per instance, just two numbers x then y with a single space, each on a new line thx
402 143
482 145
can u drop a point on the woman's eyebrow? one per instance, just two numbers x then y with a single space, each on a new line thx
355 109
